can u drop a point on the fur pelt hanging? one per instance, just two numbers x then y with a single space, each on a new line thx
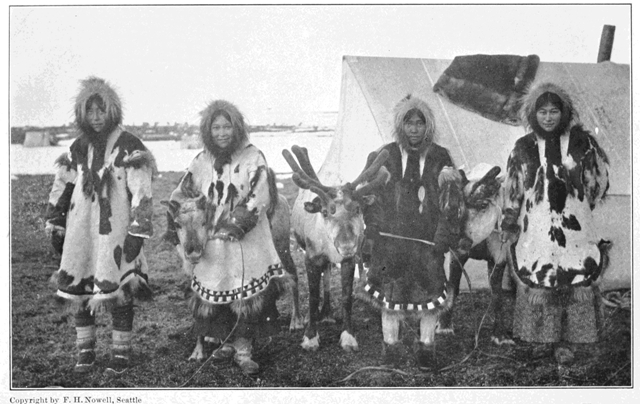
489 85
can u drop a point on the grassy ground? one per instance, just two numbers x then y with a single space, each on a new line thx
43 350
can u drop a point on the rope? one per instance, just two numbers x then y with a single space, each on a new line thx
407 238
617 300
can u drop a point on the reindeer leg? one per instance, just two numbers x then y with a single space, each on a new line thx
297 322
347 338
326 314
501 332
198 352
311 339
456 266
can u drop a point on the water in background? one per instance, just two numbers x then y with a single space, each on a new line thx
171 157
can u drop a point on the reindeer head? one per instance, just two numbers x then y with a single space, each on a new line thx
340 206
191 219
482 201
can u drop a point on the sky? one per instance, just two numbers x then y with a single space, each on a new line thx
279 64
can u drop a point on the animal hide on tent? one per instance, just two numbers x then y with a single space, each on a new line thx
489 85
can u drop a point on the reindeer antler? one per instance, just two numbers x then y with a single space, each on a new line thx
374 163
303 157
303 179
381 179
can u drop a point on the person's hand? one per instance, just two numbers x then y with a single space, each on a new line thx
56 235
441 248
53 229
508 236
229 232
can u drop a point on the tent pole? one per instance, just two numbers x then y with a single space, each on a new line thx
606 43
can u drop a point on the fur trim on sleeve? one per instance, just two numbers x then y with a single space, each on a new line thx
449 174
141 158
64 161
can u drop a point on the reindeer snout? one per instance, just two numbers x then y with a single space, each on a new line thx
193 252
347 242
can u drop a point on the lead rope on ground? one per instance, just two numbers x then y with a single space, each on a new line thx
234 326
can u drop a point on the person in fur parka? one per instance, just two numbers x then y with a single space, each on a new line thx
556 175
406 277
239 277
98 216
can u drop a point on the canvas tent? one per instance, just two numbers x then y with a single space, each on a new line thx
37 139
371 86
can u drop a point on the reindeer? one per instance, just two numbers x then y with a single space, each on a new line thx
192 220
482 213
328 224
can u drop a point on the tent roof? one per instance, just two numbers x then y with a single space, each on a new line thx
371 86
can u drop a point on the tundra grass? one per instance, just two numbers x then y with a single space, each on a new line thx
43 350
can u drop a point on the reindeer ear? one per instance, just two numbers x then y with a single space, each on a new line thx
174 206
368 199
465 181
314 206
201 203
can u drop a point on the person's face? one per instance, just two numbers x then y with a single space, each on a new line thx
415 129
548 117
222 132
96 117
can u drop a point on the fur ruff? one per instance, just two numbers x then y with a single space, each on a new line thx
135 288
544 296
244 307
400 111
528 109
240 127
97 86
538 296
63 161
449 174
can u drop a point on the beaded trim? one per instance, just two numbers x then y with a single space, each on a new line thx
430 305
254 286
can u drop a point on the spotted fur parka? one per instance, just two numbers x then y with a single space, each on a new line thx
237 272
102 196
552 199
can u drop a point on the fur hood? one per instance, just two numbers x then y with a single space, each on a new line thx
528 109
400 110
97 86
240 128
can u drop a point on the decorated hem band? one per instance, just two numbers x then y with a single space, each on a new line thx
429 305
253 287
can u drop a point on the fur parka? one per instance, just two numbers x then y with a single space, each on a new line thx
408 276
102 196
236 273
554 181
